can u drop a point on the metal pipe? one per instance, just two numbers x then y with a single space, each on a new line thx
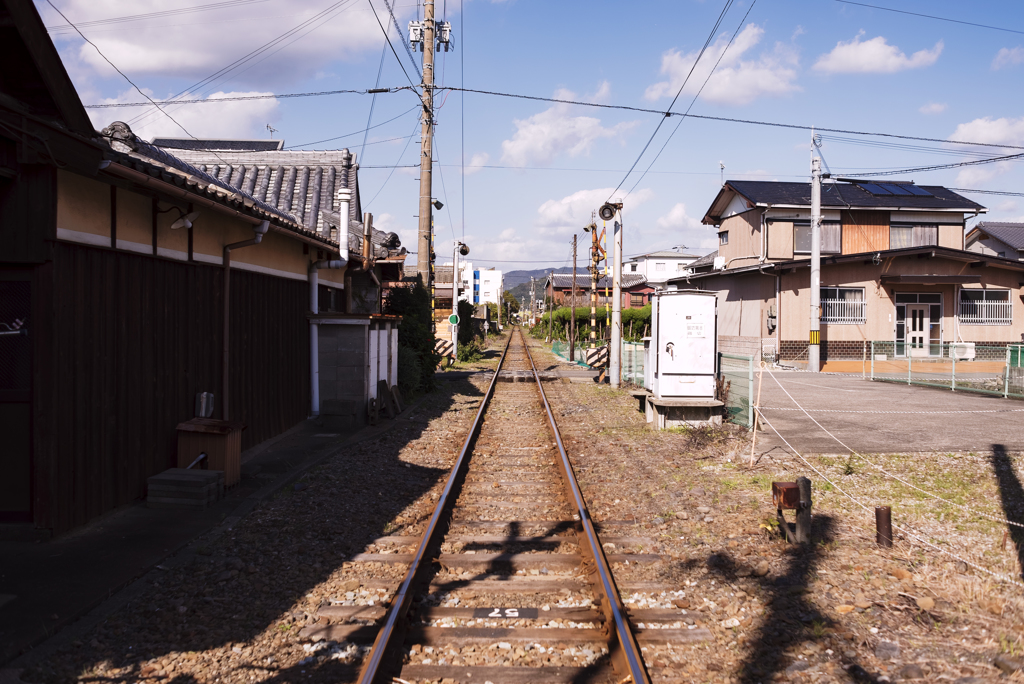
883 526
314 329
225 376
615 353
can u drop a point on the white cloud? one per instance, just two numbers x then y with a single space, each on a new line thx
1008 57
973 176
197 44
541 137
476 163
223 120
574 211
933 108
989 130
677 219
604 89
736 81
873 56
709 243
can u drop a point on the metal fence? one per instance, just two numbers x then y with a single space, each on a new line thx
842 311
736 380
957 366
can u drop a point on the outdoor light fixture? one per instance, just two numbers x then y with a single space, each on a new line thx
437 204
608 209
877 259
184 220
463 249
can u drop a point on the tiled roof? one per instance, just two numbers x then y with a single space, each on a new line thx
706 260
665 253
845 195
219 145
1012 234
302 183
129 150
564 280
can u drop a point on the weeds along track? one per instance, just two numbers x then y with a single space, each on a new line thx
509 582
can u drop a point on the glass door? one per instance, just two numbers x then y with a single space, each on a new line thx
917 329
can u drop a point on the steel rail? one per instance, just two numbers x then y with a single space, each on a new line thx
628 656
375 665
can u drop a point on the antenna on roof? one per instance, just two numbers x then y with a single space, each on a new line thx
721 170
272 130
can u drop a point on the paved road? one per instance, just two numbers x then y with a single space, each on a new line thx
878 417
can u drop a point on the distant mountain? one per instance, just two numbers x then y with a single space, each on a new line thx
513 278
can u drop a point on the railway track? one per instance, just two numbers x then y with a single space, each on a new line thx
509 581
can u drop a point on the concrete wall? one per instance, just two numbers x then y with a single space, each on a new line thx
343 373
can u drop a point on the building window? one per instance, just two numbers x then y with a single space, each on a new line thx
905 235
843 305
680 266
985 307
723 237
636 300
659 266
831 237
632 268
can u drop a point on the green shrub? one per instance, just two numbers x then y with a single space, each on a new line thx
410 373
414 333
468 353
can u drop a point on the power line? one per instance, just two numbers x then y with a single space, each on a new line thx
694 100
384 31
373 100
657 128
975 162
207 100
405 43
153 15
726 119
404 149
1005 193
223 72
348 135
930 16
125 76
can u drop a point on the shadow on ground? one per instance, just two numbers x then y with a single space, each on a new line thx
229 596
1011 495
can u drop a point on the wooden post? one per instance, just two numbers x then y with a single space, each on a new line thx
883 526
757 404
803 514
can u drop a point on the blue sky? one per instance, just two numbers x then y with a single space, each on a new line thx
534 171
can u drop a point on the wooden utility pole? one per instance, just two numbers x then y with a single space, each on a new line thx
426 145
572 306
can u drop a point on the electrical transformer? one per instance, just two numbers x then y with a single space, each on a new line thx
681 354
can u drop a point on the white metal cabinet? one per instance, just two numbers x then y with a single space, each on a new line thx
683 345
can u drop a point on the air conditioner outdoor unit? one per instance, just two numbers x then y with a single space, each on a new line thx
962 350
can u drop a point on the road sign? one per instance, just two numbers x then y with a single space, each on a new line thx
453 319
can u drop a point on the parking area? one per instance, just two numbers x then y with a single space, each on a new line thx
883 417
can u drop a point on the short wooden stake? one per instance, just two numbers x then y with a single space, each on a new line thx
883 526
803 514
757 404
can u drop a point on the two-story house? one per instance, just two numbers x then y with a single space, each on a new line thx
997 239
894 269
658 267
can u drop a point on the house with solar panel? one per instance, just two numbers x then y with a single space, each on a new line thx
898 269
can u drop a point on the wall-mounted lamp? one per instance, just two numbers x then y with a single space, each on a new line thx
877 259
437 204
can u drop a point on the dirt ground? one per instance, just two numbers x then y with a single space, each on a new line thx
839 610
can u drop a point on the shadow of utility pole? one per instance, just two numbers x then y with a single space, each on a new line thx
1011 494
790 618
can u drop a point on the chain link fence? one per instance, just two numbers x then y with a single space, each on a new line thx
957 366
736 387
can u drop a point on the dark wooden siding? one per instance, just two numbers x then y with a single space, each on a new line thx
865 231
130 340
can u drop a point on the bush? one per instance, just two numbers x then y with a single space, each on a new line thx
468 353
410 373
414 333
466 332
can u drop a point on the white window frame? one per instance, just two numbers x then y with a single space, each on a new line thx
984 311
840 311
826 226
723 237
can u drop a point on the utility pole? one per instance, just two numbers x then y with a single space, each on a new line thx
572 306
608 212
814 344
550 308
455 299
533 297
428 29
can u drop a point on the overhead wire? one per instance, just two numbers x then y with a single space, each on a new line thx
694 100
124 75
373 100
404 149
711 36
405 43
939 167
384 31
239 98
152 15
930 16
348 135
222 73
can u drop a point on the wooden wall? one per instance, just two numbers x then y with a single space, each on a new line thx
865 231
127 342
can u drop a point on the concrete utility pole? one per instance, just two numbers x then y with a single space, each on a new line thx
572 306
426 144
615 355
814 344
455 298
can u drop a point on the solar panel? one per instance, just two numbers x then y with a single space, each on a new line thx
874 189
920 192
895 188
